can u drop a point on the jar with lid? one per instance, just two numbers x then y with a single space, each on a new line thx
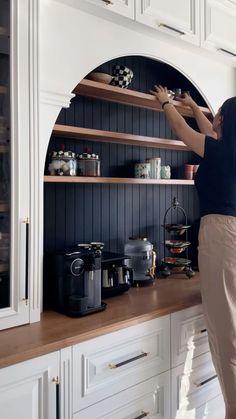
88 164
63 163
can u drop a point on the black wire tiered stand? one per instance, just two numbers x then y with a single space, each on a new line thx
176 265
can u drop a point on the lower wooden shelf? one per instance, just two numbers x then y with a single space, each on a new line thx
3 90
3 267
133 181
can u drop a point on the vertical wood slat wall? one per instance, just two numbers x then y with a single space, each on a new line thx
76 213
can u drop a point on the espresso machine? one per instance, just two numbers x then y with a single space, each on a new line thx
72 280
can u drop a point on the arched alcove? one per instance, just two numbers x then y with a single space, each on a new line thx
76 213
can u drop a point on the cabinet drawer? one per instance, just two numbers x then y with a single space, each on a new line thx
193 384
188 335
122 7
150 399
111 363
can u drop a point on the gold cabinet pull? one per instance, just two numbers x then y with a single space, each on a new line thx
142 415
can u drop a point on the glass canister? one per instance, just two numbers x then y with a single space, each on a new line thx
63 163
88 164
155 165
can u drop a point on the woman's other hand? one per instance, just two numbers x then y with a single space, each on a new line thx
161 93
187 100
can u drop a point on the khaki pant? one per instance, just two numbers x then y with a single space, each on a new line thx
217 265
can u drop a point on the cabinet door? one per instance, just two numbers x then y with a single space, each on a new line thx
219 32
179 18
122 7
28 390
149 399
193 385
14 163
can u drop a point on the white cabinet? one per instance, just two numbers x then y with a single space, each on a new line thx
28 390
179 18
194 385
109 364
149 399
16 83
196 393
122 7
219 31
188 335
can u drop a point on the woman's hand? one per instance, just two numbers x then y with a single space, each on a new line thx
161 93
187 100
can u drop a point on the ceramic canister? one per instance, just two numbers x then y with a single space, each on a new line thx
142 170
165 172
155 163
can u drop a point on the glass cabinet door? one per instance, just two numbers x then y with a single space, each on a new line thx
14 162
5 153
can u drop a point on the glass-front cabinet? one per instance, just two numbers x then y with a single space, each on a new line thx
14 163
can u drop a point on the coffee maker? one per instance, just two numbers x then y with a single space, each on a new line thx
72 281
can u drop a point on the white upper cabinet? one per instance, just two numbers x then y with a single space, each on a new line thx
123 7
179 18
219 31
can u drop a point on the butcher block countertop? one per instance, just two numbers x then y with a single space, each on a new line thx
56 331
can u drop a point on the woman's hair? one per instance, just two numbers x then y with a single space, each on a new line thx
228 127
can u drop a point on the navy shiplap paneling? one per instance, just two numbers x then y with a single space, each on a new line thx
112 213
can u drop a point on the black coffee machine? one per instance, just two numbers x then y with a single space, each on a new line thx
72 281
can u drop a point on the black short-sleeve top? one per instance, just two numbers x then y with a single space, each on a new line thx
216 180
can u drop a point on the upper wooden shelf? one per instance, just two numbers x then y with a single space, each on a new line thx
128 97
68 131
116 180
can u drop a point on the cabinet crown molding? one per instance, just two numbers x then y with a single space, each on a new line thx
58 99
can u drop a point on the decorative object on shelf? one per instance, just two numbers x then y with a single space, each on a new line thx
165 172
175 246
116 275
63 163
100 77
155 164
142 170
88 164
142 259
188 171
122 76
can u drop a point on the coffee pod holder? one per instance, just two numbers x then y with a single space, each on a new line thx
175 264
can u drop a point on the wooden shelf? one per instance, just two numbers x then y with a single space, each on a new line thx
128 97
67 131
3 90
4 207
116 180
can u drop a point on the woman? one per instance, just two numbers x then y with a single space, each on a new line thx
216 185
